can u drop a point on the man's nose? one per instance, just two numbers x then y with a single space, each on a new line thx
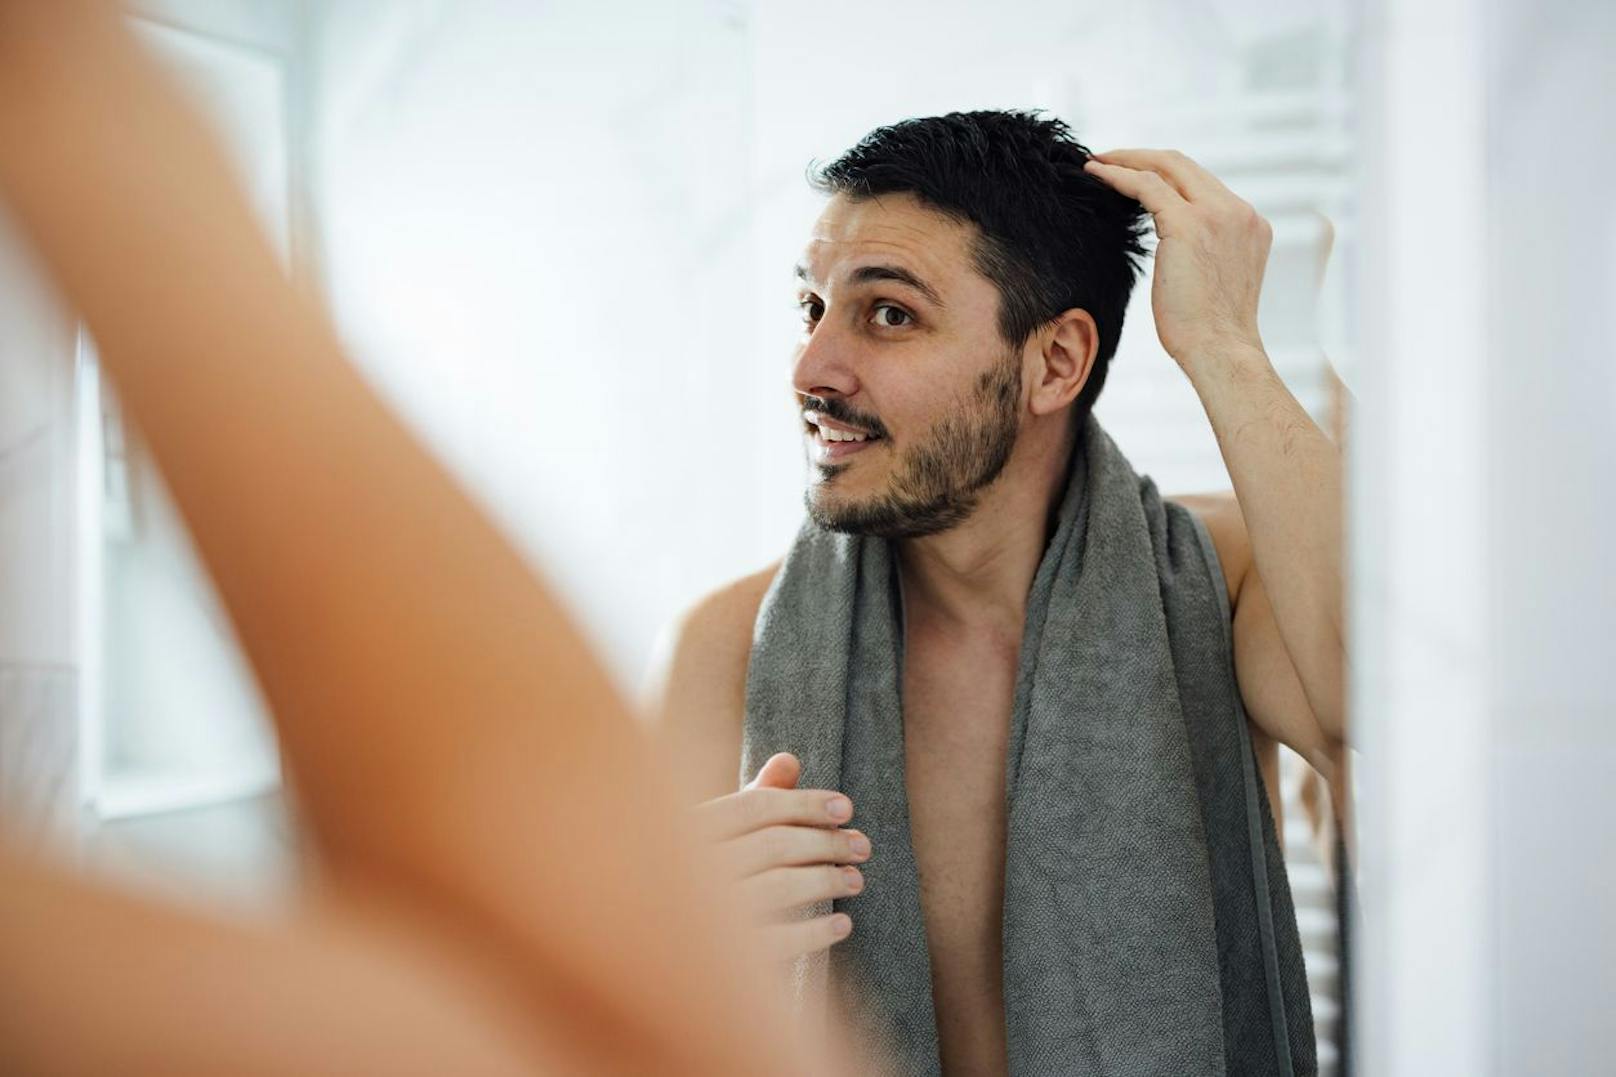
824 365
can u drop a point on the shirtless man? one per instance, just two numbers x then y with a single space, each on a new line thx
911 292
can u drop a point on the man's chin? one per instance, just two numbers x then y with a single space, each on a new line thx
837 513
877 517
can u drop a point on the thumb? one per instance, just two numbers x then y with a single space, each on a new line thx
780 772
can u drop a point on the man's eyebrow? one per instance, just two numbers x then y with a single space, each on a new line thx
867 274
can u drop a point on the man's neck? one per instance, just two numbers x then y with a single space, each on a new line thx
977 575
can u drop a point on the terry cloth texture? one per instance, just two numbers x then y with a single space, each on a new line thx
1148 924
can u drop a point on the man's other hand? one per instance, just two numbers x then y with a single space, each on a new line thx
784 848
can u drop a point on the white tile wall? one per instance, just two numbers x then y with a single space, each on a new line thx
38 755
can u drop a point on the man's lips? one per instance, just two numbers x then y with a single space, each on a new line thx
822 421
833 440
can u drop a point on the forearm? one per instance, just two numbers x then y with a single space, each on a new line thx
96 981
450 735
1288 478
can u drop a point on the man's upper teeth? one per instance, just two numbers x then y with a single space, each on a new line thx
832 434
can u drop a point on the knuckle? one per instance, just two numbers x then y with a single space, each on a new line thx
1245 215
758 808
742 806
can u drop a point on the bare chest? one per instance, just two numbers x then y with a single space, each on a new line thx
957 702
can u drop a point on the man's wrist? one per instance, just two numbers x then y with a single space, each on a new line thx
1217 362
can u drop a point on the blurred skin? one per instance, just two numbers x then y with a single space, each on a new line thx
508 885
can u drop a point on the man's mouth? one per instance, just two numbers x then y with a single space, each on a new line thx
834 440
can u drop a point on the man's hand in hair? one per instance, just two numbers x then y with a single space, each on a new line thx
1212 250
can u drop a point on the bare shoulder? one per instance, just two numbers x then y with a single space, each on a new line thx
698 687
1220 513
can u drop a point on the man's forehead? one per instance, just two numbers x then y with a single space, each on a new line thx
895 229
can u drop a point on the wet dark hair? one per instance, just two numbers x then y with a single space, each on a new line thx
1050 237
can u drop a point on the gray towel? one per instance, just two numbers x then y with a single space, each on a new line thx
1147 922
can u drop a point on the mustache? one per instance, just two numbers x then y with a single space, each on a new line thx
838 410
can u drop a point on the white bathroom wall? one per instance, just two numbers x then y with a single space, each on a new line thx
537 226
1418 511
1550 579
1484 598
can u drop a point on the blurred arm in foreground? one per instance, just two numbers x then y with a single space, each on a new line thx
507 885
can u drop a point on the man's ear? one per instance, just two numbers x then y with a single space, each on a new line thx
1067 347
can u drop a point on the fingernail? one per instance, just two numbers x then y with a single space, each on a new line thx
855 880
839 808
841 924
860 845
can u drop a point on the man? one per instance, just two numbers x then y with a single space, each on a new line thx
1068 865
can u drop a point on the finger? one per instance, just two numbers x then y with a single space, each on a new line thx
1188 178
1149 189
794 846
800 937
779 891
740 813
781 771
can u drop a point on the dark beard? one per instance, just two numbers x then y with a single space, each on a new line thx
940 482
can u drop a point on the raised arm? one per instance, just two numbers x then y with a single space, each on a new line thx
1287 474
452 741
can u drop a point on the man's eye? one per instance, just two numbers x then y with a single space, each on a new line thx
891 317
812 310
